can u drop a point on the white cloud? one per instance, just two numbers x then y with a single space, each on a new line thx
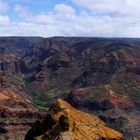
3 6
63 20
65 9
4 20
101 5
111 7
22 11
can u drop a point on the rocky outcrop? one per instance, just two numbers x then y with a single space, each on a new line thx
63 122
14 130
77 68
17 114
113 108
14 103
101 98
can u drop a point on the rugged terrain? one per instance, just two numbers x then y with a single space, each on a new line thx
96 75
63 122
17 114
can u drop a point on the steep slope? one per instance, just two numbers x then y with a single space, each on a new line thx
116 109
63 122
97 75
56 66
17 113
109 66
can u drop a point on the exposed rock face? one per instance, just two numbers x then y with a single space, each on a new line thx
15 104
63 122
107 99
17 114
114 109
14 130
107 71
108 64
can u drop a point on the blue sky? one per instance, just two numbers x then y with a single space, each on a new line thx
96 18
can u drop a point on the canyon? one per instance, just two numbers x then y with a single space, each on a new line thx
99 76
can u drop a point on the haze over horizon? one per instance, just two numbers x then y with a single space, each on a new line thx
47 18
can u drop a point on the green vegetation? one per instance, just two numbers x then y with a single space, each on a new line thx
44 109
45 99
28 76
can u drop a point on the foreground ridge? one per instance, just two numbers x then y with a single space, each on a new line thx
63 122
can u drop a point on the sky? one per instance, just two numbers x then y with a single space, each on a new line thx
47 18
